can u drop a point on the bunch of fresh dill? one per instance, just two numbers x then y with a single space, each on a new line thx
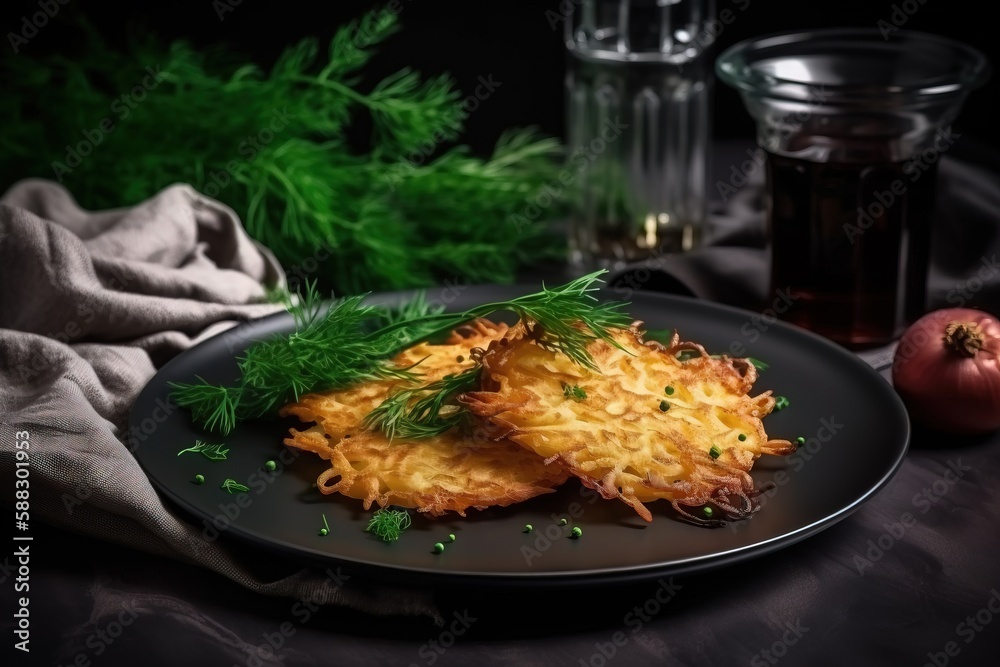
115 128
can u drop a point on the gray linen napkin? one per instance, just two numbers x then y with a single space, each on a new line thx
91 304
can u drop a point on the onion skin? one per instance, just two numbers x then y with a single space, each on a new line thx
943 387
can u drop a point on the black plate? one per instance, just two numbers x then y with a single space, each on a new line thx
857 433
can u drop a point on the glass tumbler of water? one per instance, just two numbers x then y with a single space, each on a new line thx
639 81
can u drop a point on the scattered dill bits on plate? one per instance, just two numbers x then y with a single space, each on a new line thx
211 452
388 524
199 479
325 530
232 486
780 403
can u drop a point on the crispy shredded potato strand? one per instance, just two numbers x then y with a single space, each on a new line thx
454 471
619 440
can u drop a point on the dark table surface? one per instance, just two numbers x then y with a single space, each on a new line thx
911 578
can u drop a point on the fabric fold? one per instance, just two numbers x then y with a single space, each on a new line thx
91 305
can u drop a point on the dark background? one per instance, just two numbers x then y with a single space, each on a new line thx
511 40
913 602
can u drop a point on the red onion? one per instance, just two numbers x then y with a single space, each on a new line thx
947 370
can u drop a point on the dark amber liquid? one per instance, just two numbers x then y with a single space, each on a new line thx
850 243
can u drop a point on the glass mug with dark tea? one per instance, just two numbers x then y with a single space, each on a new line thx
853 126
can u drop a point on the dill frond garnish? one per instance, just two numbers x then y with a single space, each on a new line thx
565 319
327 351
388 524
213 407
411 310
423 412
338 348
211 452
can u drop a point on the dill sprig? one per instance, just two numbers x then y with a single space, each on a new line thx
339 348
565 319
388 524
213 407
326 351
560 312
410 310
420 412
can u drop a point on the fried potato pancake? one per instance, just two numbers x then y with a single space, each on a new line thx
650 426
451 472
